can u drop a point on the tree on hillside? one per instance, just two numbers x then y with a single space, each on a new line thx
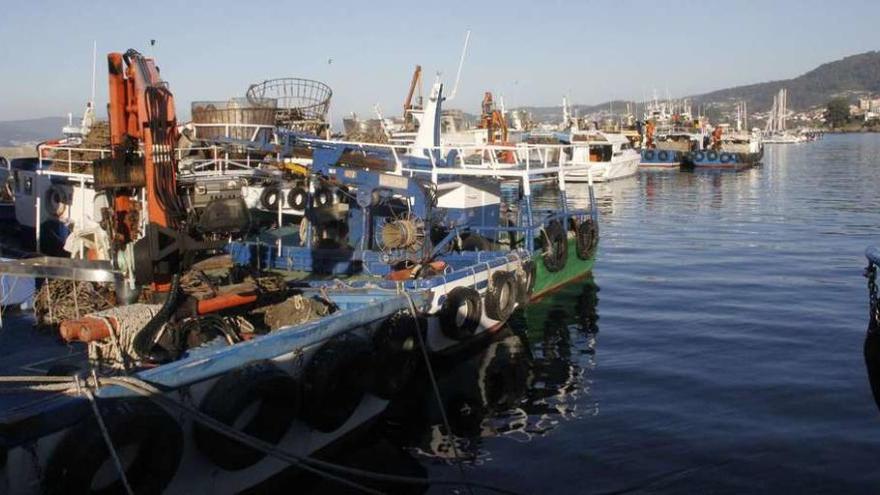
837 112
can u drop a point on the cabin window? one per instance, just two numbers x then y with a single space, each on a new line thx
28 185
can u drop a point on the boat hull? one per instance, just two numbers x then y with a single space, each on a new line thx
664 159
575 268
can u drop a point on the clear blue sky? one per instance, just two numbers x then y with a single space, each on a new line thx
531 52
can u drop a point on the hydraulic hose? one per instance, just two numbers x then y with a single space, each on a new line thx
144 344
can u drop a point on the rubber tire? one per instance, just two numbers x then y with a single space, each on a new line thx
663 156
475 242
333 385
82 451
279 397
293 194
395 357
448 314
269 192
699 156
497 307
526 284
323 197
555 236
649 155
711 156
587 239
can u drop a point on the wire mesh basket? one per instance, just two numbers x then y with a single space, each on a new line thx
233 118
301 102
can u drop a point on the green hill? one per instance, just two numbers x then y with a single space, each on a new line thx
851 75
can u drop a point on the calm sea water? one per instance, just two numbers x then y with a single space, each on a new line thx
717 347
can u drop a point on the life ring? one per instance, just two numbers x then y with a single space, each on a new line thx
56 201
394 359
270 197
663 155
261 386
136 426
323 197
587 239
699 156
333 383
501 297
711 156
555 247
297 198
649 155
526 282
475 242
460 313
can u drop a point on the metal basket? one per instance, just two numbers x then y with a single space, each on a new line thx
301 102
233 118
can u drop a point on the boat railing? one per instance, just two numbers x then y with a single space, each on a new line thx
196 160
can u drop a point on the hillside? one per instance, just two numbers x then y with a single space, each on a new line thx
849 76
854 74
16 132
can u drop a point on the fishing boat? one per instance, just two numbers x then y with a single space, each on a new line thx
728 151
872 336
193 362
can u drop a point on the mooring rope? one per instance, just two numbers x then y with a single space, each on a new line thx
437 395
315 466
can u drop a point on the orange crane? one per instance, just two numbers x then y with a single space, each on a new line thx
414 84
142 170
493 121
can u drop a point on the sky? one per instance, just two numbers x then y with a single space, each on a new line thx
531 52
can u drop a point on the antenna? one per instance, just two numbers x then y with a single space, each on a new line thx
467 38
94 68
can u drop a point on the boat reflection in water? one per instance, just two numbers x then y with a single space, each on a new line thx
528 378
532 376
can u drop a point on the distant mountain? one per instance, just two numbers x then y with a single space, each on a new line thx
850 76
16 132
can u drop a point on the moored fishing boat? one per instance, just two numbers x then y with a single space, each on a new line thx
198 363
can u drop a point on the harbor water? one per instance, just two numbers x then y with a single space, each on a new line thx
717 348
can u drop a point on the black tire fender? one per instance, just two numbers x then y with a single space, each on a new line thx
475 242
587 239
323 197
555 252
156 437
663 155
526 282
297 198
278 400
501 297
649 155
711 156
395 357
333 384
454 323
270 197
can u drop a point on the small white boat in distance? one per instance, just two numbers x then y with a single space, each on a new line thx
610 155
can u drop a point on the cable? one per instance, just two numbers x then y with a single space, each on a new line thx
437 396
